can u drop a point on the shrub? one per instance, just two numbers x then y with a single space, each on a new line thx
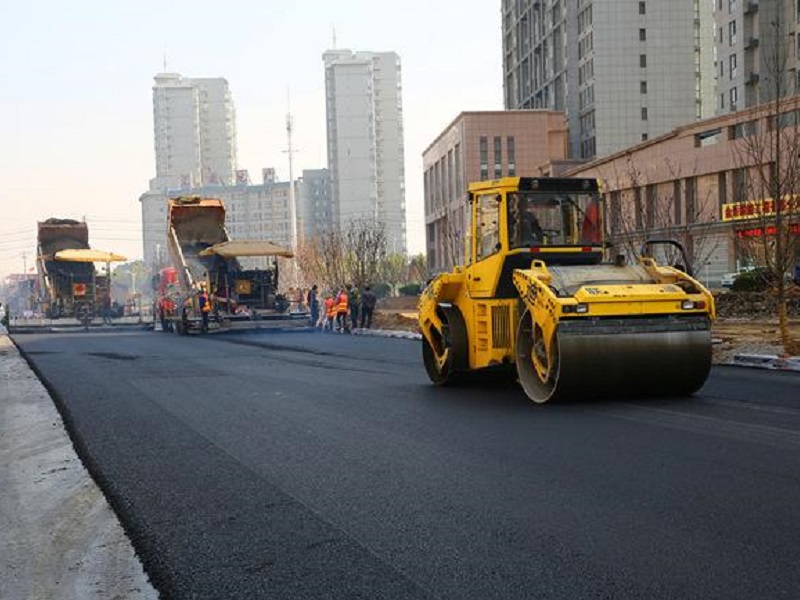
382 290
757 280
410 289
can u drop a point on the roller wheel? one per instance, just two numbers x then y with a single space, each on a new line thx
447 365
537 364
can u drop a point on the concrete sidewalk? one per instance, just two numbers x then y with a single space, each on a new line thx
58 537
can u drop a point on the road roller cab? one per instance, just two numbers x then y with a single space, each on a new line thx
535 293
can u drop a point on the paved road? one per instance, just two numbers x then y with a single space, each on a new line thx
303 465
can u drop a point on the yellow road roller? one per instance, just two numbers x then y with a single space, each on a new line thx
537 295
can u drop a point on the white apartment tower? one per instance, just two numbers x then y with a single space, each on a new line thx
195 130
623 71
754 41
365 140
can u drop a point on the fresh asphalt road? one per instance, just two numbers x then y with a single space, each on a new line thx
307 465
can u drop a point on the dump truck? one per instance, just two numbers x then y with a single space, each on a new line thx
538 296
204 258
67 288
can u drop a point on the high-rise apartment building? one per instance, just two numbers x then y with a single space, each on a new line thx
313 199
365 140
622 70
195 130
754 42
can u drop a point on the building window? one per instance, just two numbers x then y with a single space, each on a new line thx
616 212
650 199
676 201
731 33
642 35
459 174
498 158
644 113
643 87
690 200
732 70
734 97
739 184
643 60
644 137
637 207
484 150
642 8
512 156
722 188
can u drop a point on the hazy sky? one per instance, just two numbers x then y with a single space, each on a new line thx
76 95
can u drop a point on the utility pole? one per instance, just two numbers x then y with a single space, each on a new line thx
292 201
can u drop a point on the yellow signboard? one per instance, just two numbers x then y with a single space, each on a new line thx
753 209
78 289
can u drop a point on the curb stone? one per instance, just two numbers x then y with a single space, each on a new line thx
387 333
767 361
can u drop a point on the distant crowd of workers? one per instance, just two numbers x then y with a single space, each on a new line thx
342 311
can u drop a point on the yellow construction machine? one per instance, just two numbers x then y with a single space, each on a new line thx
536 293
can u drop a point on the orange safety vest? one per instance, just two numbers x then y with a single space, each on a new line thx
342 307
206 306
330 308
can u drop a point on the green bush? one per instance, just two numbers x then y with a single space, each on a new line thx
382 290
410 289
757 280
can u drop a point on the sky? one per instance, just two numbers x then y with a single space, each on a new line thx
76 115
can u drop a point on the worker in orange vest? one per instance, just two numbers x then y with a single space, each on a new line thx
205 307
330 313
342 308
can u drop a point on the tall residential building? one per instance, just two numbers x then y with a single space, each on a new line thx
622 70
754 41
365 140
313 199
195 130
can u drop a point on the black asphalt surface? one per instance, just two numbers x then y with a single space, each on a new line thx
308 465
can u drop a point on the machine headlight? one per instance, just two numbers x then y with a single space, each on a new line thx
575 308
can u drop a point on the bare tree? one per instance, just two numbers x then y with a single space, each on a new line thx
769 161
418 269
640 209
365 247
394 270
333 258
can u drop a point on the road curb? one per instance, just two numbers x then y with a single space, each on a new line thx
388 333
767 361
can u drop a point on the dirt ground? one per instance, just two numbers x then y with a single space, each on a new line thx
756 335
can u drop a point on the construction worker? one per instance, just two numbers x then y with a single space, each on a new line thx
330 313
342 308
205 307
